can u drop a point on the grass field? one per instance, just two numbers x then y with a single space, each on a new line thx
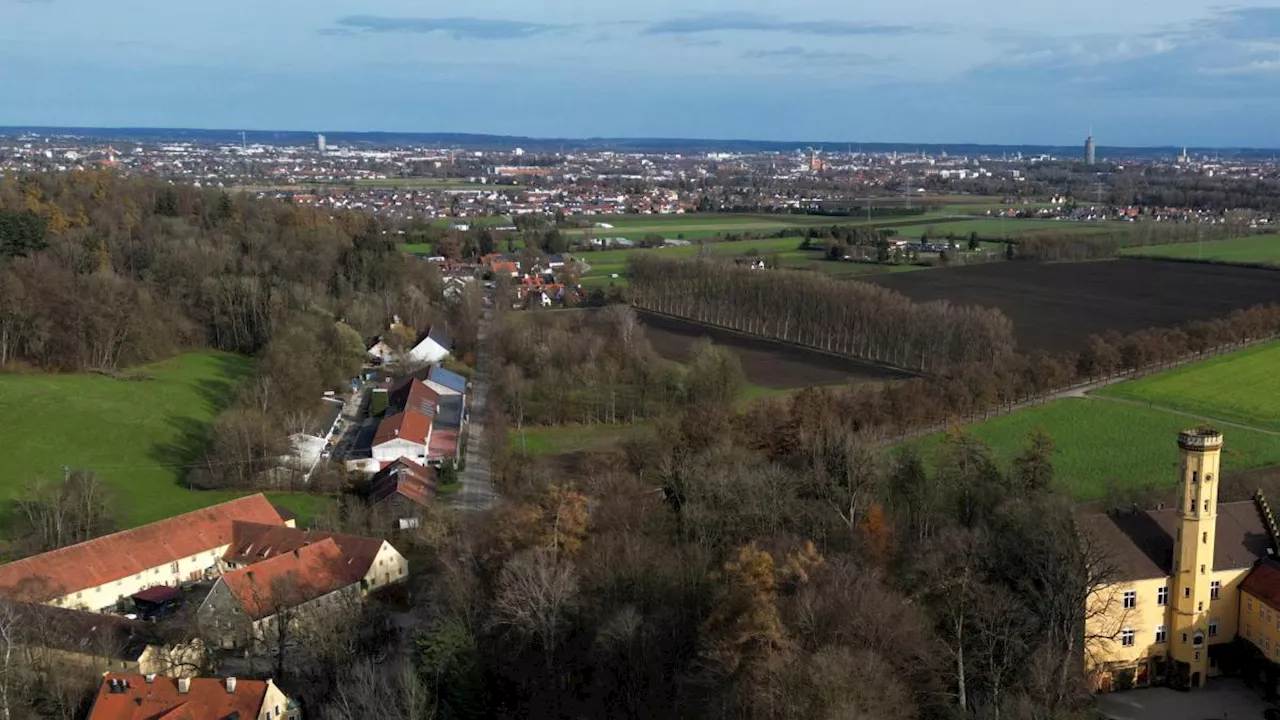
606 262
1243 387
562 439
1252 249
1009 227
1101 442
702 225
137 435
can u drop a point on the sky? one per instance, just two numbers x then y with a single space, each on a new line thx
1172 72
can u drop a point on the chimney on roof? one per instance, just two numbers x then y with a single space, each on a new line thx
231 684
150 678
184 686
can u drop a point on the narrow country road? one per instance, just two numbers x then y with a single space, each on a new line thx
1084 391
477 491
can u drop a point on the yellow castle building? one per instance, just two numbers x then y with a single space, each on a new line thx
1184 584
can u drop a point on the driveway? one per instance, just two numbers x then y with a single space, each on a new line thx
1221 699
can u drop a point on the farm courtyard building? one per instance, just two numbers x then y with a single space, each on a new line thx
270 569
252 552
124 696
1190 582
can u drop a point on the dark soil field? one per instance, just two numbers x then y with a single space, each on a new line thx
1056 306
765 363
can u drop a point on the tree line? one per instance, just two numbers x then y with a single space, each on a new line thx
850 318
924 404
1106 244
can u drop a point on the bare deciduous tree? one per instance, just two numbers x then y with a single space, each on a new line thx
536 588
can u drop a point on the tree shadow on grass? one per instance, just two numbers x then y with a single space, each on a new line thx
219 392
185 450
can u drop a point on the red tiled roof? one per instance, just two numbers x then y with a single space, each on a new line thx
1263 582
406 478
205 699
293 578
408 425
415 396
113 557
253 542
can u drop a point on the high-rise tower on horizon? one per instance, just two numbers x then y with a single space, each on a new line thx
1090 150
320 146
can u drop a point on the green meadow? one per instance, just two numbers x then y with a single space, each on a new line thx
1251 249
1243 388
138 435
1102 444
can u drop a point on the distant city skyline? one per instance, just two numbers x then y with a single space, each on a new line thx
925 71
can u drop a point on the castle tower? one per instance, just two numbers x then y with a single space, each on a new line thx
1193 553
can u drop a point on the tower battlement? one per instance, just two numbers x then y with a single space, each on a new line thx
1200 439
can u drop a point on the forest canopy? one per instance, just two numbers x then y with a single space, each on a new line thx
100 272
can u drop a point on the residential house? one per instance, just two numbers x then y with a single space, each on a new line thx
131 696
103 572
402 434
406 429
403 490
432 347
278 579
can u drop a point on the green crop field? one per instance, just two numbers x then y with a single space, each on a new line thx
138 435
1243 387
1100 442
1252 249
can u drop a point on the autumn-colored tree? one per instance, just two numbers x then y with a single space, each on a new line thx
802 563
876 532
745 629
556 521
565 518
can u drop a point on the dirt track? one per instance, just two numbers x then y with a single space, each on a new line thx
765 363
1056 306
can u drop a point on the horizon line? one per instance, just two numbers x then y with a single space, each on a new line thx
604 138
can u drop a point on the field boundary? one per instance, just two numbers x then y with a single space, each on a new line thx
781 343
1185 413
1196 261
1077 390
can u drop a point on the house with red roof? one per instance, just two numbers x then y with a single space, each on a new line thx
403 490
127 696
276 579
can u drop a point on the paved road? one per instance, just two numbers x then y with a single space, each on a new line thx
477 491
1222 698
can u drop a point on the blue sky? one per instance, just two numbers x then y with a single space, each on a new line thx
1172 72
